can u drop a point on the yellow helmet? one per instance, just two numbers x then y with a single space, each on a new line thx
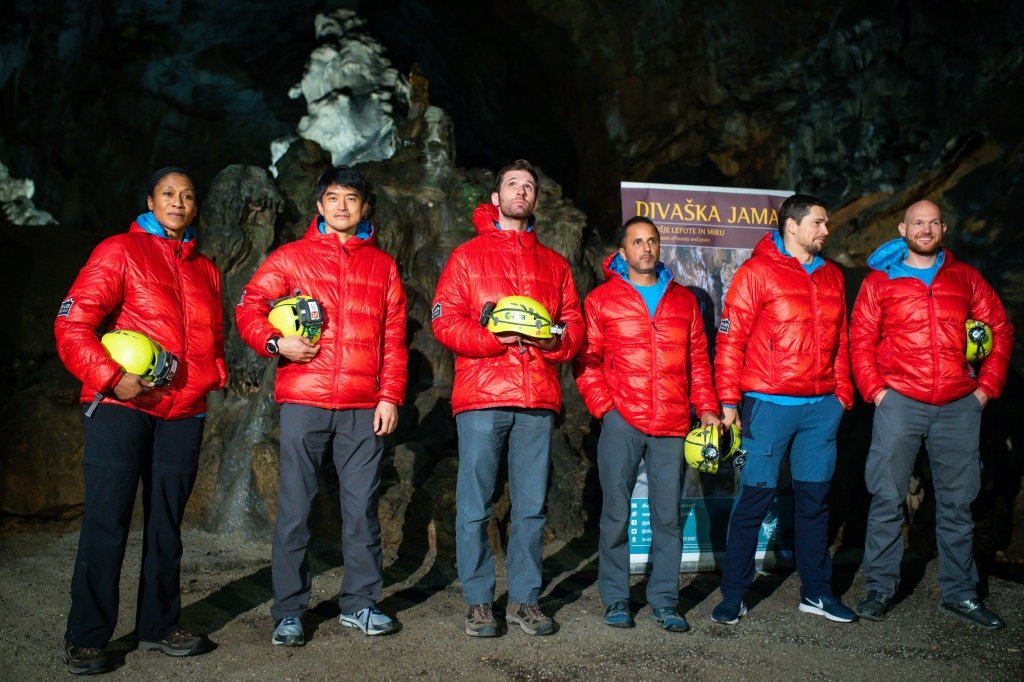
297 316
522 315
136 353
704 449
979 340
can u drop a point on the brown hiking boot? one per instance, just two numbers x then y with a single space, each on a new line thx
480 621
178 643
84 660
530 618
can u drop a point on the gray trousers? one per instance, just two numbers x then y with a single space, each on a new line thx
483 436
619 451
950 434
307 433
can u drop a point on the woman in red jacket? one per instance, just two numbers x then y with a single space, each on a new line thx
150 280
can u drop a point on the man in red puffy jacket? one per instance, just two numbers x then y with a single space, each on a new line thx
908 344
506 393
340 394
643 363
782 352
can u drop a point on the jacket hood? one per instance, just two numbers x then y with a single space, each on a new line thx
485 220
152 227
365 232
890 256
773 246
147 222
615 266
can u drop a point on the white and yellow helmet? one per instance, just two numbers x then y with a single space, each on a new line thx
520 314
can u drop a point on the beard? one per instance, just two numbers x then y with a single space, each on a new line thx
924 250
515 211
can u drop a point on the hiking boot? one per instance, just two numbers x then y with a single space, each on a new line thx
828 606
84 660
288 632
530 618
973 611
618 616
369 619
874 606
480 621
669 619
729 611
178 643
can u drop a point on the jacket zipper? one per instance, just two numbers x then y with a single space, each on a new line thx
817 333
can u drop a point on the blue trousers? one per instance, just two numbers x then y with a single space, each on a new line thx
483 437
807 433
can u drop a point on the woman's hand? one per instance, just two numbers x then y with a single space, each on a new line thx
131 386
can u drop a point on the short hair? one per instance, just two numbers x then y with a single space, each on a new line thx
518 164
620 235
159 175
797 207
345 177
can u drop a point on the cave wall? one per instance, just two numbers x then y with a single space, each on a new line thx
872 105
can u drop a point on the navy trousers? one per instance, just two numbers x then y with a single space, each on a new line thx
807 433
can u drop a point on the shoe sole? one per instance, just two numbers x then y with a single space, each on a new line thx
807 608
528 629
622 624
998 626
743 612
685 627
871 616
488 631
85 670
287 642
163 648
356 625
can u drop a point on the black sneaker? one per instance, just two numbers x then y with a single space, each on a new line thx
973 611
84 660
874 606
178 643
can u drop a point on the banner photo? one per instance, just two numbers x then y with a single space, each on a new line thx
706 233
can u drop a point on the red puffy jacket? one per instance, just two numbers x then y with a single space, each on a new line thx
648 369
783 332
911 338
160 287
363 357
494 264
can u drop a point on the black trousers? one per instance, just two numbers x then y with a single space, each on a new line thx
122 447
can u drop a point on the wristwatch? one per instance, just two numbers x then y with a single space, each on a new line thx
272 345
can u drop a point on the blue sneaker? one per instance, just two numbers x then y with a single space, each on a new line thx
828 606
370 620
729 611
617 615
288 632
669 619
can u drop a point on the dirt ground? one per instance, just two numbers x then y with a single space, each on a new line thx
227 596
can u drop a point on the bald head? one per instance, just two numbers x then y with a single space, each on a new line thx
923 206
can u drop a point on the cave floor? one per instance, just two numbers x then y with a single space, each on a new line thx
226 595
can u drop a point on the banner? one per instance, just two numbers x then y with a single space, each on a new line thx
706 233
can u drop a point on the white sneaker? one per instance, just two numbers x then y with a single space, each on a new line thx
370 620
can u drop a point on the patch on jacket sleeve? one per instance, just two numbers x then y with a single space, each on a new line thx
435 312
723 328
241 300
65 307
